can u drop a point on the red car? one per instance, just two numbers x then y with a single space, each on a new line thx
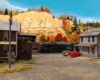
74 54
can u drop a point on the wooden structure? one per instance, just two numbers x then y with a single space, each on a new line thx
24 50
89 42
27 37
4 38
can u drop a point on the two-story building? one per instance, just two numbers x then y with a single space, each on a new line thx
4 38
89 43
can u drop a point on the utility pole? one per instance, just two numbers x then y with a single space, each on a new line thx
10 21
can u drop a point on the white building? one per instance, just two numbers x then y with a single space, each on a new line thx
89 43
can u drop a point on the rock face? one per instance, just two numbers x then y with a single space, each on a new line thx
37 22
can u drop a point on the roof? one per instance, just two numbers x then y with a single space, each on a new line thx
27 34
4 25
90 32
86 45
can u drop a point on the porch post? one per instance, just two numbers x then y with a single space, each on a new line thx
74 48
81 49
90 51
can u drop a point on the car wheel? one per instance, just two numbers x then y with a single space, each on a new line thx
63 54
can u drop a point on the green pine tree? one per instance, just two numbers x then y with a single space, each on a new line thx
6 12
75 21
68 17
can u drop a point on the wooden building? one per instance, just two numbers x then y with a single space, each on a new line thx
89 42
4 38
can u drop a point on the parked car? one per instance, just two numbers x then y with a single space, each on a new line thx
66 52
74 54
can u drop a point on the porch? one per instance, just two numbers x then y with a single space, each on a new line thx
90 46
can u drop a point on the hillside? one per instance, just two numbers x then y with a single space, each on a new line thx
37 22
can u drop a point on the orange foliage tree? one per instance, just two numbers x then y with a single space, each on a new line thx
76 38
29 9
52 38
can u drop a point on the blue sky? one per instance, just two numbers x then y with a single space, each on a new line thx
82 9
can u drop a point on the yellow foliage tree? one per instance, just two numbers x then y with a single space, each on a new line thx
68 27
76 38
70 38
38 9
14 13
80 27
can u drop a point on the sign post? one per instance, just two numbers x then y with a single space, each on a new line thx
10 20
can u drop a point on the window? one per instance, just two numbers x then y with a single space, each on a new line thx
88 50
92 38
5 49
5 35
24 51
88 39
81 39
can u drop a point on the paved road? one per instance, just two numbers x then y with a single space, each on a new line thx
58 67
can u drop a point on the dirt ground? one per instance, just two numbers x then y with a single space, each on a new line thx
55 66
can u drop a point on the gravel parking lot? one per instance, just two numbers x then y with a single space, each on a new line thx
55 66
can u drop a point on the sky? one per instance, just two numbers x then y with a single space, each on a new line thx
82 9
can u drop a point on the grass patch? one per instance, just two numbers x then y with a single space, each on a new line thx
20 61
18 69
3 63
30 61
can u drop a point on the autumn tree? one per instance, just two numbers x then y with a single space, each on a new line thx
93 23
32 8
60 16
6 12
42 37
72 17
76 38
68 26
38 9
42 8
64 21
64 39
58 37
29 10
97 24
49 10
14 13
48 38
45 8
52 38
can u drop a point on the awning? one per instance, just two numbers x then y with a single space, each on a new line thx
7 42
85 45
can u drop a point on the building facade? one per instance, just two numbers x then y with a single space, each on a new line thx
4 38
89 43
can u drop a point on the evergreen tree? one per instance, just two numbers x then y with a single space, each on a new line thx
6 12
68 17
53 16
75 21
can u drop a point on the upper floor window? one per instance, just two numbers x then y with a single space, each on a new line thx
5 35
81 39
92 38
88 39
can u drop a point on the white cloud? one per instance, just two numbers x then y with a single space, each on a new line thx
6 3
